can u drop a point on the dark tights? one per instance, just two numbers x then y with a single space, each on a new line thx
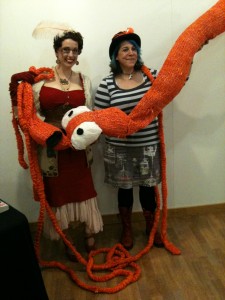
146 196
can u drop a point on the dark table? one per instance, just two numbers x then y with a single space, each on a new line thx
20 274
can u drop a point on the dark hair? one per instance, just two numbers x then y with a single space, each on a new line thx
114 64
73 35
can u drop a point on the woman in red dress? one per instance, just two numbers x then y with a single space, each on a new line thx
66 173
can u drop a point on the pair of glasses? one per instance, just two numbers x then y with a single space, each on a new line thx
67 51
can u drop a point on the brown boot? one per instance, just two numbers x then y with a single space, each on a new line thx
126 237
89 240
90 243
149 219
71 256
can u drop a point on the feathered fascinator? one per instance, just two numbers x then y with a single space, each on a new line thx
47 29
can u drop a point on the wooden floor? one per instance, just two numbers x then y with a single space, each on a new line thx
198 273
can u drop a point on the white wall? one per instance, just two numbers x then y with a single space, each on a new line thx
194 121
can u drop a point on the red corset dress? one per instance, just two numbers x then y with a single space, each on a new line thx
74 182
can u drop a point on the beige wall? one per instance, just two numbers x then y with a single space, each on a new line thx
194 121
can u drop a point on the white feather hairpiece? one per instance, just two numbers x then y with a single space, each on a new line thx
46 29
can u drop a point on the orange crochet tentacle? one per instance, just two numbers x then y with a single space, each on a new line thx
20 145
116 128
168 245
42 73
39 130
176 67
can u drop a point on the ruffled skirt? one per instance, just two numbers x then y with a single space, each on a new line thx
85 212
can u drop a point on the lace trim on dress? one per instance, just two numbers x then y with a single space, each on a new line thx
85 211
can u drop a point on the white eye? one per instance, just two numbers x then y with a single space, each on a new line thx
72 113
85 134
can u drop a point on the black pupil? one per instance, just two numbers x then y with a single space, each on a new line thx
80 131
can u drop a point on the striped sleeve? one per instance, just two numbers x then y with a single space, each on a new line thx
102 96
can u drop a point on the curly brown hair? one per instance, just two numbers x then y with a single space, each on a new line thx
73 35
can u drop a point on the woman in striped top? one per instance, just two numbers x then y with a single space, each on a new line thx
134 160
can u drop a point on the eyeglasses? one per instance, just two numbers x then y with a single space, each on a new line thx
67 51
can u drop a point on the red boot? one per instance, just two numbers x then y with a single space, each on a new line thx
149 219
126 237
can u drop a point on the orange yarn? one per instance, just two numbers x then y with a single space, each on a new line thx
169 82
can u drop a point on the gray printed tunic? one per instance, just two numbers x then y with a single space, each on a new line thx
134 160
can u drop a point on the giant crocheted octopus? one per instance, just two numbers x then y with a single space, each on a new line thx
168 84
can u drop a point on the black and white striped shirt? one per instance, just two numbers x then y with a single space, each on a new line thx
109 94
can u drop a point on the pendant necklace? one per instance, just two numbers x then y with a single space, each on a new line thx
64 81
130 75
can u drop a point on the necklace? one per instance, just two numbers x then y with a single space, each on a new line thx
130 75
64 81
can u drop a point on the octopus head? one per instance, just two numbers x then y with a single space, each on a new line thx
81 134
